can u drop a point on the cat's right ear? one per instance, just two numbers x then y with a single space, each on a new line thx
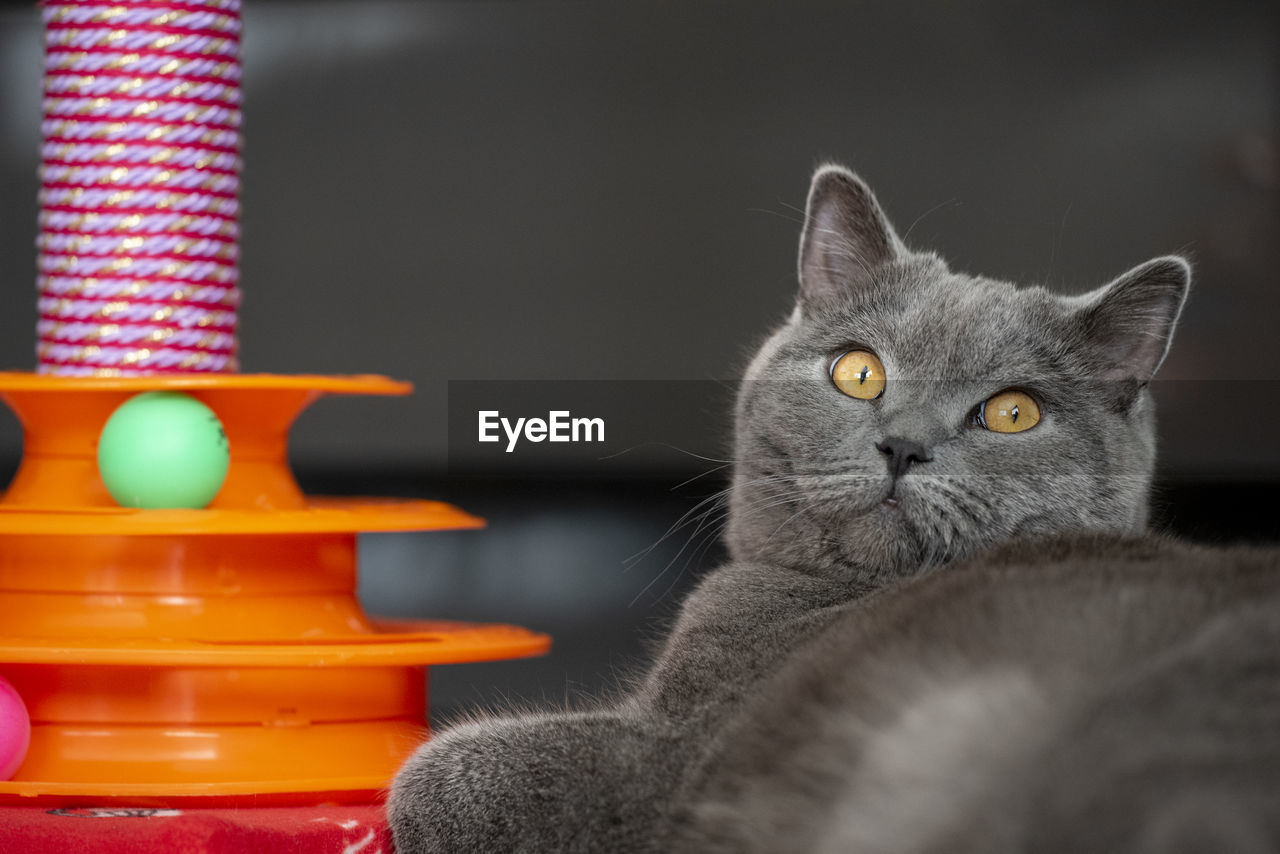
846 236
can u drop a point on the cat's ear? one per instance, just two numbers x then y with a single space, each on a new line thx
1128 324
846 236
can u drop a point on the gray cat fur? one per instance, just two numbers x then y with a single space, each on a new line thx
1094 695
827 689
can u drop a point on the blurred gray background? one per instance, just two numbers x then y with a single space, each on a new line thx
588 191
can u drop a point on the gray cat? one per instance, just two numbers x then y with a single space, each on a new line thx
941 628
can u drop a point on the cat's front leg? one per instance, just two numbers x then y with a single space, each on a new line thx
587 781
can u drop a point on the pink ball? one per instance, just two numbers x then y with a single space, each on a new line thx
15 730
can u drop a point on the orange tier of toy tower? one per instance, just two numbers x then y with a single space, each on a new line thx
214 654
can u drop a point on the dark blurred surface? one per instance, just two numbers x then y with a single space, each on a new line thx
575 191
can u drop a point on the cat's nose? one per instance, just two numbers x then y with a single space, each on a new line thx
902 453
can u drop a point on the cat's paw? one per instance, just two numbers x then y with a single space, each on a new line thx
536 783
444 798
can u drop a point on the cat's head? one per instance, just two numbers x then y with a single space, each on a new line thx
906 415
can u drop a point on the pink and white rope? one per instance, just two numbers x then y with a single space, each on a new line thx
140 186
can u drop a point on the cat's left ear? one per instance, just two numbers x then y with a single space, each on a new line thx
1128 324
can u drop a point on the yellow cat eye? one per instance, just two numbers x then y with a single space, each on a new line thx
859 374
1009 412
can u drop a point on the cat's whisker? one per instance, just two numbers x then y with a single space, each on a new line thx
771 501
709 539
711 535
706 473
795 208
706 505
798 220
701 526
937 207
696 512
654 444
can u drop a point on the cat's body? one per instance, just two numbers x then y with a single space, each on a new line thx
1093 695
854 679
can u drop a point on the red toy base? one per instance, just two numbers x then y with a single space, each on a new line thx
357 829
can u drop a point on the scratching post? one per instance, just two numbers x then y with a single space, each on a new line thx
140 185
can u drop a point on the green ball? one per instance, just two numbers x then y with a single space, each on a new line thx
163 449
